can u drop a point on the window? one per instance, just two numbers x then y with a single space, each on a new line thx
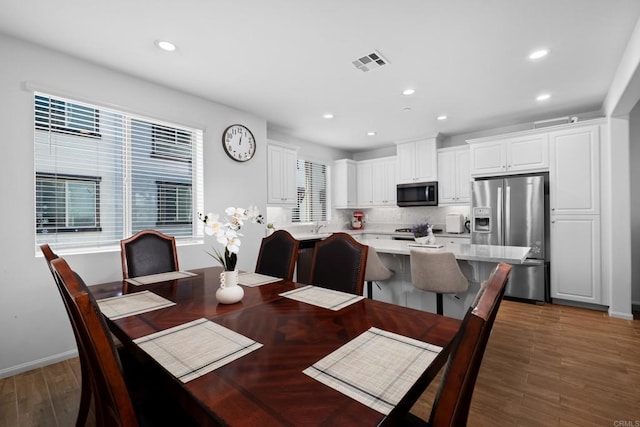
311 180
56 115
174 203
66 203
99 181
171 143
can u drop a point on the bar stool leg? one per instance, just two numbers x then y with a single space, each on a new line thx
370 289
439 304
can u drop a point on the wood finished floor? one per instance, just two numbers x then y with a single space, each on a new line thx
548 365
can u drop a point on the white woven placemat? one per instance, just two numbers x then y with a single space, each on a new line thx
256 279
193 349
132 304
322 297
160 277
377 368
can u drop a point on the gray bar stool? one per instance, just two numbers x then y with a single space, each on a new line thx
376 271
437 272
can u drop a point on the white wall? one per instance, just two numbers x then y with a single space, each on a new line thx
634 148
34 329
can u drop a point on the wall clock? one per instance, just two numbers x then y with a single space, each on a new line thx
238 142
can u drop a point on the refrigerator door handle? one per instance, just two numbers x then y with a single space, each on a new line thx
499 216
507 216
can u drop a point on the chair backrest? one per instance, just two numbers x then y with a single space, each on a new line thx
339 262
453 399
437 272
148 252
278 255
375 270
112 400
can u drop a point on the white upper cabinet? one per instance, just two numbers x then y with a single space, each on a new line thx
510 155
344 184
454 179
377 182
575 171
417 161
281 175
384 182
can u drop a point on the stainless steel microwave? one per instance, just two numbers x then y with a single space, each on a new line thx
417 194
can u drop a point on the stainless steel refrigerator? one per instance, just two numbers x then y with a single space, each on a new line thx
513 211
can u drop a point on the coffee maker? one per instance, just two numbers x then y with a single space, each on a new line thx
357 222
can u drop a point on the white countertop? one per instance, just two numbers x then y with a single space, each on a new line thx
486 253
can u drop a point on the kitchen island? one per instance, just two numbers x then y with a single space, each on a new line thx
476 262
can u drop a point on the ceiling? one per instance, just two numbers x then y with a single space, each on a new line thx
290 61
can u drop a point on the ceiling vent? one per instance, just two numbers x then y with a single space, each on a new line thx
371 61
554 122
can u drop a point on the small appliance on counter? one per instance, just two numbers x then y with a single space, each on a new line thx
455 223
357 222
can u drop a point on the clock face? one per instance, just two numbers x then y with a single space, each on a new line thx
238 143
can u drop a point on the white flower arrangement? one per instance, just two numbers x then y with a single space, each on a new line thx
227 233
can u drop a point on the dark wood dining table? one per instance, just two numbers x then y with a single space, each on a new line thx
267 387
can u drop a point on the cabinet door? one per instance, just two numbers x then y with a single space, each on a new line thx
379 190
426 161
528 153
453 176
488 158
290 169
390 181
575 258
275 179
281 175
352 189
574 174
344 184
463 176
365 184
406 162
446 177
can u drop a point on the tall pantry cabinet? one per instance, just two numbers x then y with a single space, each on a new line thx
574 192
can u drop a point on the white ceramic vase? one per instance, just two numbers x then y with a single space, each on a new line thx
229 291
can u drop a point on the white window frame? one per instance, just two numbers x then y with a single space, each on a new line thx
58 129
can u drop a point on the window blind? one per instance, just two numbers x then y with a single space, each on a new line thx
102 175
311 182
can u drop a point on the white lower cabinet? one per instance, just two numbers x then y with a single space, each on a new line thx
575 258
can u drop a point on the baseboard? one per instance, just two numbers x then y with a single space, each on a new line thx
620 315
18 369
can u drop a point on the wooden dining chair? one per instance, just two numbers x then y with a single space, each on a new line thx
339 263
113 405
148 252
453 398
278 255
85 381
119 399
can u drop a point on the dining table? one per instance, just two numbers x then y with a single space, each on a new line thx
273 382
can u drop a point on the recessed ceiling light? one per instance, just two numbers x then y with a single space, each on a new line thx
541 53
371 133
406 109
328 116
408 91
442 117
165 45
543 97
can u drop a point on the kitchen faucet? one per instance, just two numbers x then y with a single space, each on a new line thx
317 227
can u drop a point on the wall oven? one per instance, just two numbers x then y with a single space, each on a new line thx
417 194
